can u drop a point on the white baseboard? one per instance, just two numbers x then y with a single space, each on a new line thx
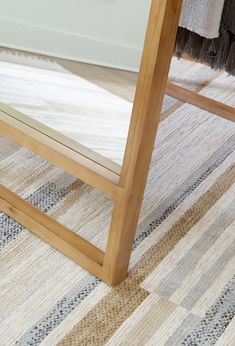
55 43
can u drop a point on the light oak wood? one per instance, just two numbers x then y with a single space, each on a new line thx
125 185
157 54
59 137
73 162
200 101
57 235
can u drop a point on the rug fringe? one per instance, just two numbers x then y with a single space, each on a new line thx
219 53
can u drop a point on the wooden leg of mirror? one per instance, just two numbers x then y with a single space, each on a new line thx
201 101
157 54
45 227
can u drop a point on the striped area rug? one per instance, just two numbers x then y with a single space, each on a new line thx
181 284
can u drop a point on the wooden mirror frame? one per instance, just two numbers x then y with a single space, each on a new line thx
124 184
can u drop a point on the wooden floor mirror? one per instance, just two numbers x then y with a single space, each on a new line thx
117 168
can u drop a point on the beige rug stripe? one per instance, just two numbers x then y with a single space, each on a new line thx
154 237
210 296
114 308
126 334
125 329
171 262
15 175
75 316
33 304
162 334
80 212
152 320
204 265
127 326
157 252
134 319
33 254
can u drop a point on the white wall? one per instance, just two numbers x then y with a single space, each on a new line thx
106 32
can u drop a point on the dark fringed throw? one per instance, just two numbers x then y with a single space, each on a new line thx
219 53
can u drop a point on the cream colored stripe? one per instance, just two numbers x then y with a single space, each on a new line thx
183 246
213 292
133 320
7 148
120 303
228 336
166 324
183 149
16 173
151 321
32 301
167 328
177 214
205 264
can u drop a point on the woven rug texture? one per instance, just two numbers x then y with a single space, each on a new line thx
180 289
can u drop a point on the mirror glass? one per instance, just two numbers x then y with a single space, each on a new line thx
83 111
87 94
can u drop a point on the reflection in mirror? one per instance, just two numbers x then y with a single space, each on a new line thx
81 110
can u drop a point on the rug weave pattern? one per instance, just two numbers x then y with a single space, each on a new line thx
180 289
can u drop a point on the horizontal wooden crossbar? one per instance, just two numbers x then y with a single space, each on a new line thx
71 161
200 101
59 137
45 227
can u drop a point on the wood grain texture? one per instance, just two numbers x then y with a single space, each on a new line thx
62 156
59 137
157 54
201 101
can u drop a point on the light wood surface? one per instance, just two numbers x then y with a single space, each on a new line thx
201 101
157 54
73 162
60 138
